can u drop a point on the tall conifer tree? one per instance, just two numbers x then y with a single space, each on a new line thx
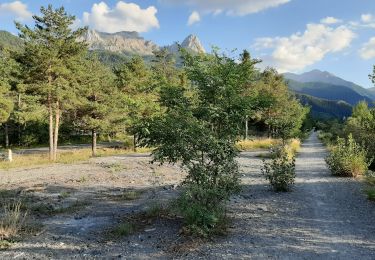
52 55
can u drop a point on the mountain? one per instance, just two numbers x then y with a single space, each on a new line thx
191 43
326 109
328 91
372 90
328 78
130 43
121 42
9 41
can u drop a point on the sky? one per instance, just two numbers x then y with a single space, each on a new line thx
291 35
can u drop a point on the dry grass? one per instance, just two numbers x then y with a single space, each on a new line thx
12 221
293 146
253 144
66 157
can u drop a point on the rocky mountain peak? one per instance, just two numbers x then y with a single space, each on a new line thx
193 43
132 43
120 42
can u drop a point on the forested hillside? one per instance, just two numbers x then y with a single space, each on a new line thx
8 40
324 108
328 91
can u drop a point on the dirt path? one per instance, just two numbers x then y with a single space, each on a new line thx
324 217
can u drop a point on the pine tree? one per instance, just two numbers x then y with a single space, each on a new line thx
100 107
7 65
135 80
52 55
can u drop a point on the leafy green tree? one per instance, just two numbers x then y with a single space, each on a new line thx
284 114
199 128
361 125
51 58
135 82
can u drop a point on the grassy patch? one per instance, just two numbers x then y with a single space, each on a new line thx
127 195
292 147
156 210
66 157
134 223
370 180
261 143
12 221
124 229
64 195
370 192
50 210
112 167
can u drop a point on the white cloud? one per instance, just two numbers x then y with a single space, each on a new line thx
299 50
368 50
123 17
231 7
17 9
330 20
367 18
194 18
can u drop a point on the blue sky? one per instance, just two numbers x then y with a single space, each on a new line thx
292 35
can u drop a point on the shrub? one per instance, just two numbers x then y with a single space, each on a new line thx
370 180
280 170
12 221
203 212
347 158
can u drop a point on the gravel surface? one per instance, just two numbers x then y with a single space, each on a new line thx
324 217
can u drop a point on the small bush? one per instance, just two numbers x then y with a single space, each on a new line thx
203 213
124 229
280 170
347 158
12 221
370 180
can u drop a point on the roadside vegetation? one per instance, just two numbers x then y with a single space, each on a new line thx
194 113
66 157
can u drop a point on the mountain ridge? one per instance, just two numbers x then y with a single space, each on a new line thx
329 78
132 43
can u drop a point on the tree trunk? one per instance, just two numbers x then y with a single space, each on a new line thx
246 128
19 134
50 112
93 143
6 135
56 133
134 143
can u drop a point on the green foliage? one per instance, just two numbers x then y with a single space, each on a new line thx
199 128
203 211
348 158
285 115
326 109
330 91
9 41
124 229
370 190
51 65
280 170
361 125
7 67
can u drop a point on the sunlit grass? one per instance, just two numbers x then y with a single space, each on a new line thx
292 147
66 157
260 143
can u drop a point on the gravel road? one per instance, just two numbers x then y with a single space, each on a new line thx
324 217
